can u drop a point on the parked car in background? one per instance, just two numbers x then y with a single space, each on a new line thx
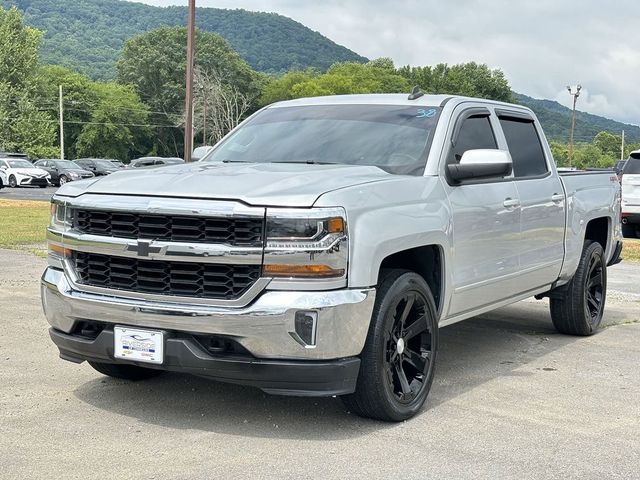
19 172
631 196
146 162
99 166
118 164
63 171
201 152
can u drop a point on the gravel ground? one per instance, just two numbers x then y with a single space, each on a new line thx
511 399
28 193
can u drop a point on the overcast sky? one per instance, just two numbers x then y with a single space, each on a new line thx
541 45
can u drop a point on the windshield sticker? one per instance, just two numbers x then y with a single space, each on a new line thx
422 113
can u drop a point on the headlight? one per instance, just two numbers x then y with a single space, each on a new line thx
60 221
73 175
306 244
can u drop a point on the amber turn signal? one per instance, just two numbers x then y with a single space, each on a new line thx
63 252
306 271
335 225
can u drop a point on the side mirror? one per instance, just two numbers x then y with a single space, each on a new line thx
481 164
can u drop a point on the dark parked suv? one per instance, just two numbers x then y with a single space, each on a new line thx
63 171
155 162
99 166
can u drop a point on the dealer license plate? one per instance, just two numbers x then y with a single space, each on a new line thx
139 345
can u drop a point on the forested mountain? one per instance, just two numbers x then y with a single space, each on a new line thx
87 35
556 120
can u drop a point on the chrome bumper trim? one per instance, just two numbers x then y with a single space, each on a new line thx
263 328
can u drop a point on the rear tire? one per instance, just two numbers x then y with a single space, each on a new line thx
577 308
125 372
398 360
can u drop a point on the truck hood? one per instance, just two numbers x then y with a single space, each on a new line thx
294 185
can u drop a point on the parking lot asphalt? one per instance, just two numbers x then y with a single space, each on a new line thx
27 193
511 399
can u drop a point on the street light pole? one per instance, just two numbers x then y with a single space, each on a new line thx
188 124
574 90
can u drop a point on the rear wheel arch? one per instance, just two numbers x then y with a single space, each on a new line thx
427 261
597 230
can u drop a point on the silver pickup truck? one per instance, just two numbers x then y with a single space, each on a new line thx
320 246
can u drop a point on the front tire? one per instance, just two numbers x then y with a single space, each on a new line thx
577 308
13 183
125 372
62 180
398 360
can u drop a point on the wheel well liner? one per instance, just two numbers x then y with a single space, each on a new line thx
425 261
598 231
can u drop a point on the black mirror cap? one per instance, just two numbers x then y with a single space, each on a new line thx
479 171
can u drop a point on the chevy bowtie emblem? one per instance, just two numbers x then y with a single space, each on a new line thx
142 248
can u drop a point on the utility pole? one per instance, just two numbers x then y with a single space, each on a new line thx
622 148
574 90
204 120
61 126
188 125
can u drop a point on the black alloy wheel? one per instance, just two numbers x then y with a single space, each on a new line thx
408 348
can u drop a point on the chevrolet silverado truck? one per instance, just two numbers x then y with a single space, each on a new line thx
321 245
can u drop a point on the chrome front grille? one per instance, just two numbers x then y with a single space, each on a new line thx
240 231
185 279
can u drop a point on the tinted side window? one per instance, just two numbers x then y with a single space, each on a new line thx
632 166
525 147
476 133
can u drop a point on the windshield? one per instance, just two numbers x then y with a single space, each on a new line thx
395 138
69 165
20 164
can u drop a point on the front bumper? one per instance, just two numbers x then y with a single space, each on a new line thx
265 328
184 354
31 181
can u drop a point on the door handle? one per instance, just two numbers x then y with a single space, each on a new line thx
557 198
511 202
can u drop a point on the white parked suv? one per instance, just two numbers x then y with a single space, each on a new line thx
631 196
18 172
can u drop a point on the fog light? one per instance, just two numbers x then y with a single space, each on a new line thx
306 326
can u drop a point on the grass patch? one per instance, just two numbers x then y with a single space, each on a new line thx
23 224
631 250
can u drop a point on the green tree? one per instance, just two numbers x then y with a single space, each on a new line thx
377 76
608 144
101 119
23 126
468 79
154 63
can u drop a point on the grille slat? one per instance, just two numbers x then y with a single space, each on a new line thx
239 231
185 279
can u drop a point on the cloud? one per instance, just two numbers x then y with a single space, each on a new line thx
541 45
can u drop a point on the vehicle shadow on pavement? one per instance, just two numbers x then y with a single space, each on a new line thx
471 353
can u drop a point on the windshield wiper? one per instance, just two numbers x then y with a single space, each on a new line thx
309 162
236 161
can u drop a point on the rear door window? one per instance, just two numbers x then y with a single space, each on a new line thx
524 146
